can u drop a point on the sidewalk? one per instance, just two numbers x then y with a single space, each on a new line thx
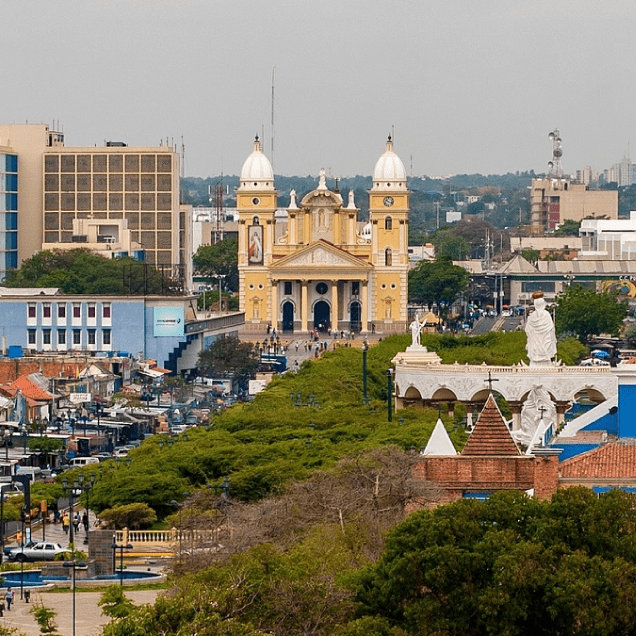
54 532
88 614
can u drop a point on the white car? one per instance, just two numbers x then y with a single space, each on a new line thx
41 551
594 362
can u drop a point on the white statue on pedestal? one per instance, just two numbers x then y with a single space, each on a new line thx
541 345
416 329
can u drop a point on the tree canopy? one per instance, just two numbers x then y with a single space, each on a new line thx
80 271
304 420
437 282
219 259
512 565
568 228
228 356
583 312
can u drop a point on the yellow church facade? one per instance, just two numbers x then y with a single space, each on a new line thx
315 265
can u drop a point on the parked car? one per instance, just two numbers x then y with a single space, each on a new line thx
594 362
102 457
40 551
83 461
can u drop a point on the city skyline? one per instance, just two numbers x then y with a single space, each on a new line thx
464 87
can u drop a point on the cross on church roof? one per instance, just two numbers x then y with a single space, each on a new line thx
490 380
542 410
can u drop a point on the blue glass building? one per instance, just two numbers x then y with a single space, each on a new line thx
8 212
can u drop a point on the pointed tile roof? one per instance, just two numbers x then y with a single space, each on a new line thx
616 460
439 443
490 435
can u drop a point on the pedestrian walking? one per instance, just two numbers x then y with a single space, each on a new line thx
85 520
296 345
76 521
66 522
9 597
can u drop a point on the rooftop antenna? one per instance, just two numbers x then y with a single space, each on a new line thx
554 166
272 146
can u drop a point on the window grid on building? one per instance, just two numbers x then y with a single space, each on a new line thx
113 186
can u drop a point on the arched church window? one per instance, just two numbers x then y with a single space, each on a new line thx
388 223
388 256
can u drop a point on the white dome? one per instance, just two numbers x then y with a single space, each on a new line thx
389 172
257 172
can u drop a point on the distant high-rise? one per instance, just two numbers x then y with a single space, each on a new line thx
113 199
556 198
623 173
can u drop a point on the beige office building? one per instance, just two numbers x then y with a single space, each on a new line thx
555 200
115 199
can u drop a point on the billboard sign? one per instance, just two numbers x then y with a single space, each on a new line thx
169 321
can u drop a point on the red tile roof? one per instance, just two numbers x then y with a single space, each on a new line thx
29 389
616 460
490 435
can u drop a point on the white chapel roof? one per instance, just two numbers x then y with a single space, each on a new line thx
439 443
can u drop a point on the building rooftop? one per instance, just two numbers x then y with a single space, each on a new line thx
616 460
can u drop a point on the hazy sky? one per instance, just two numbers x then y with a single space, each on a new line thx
468 85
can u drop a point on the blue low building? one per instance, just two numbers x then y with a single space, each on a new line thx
168 329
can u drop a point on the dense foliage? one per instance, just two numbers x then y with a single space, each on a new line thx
228 356
437 282
584 312
80 271
511 565
220 259
304 420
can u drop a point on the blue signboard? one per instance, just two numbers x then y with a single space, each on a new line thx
169 321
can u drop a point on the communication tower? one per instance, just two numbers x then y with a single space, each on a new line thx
554 166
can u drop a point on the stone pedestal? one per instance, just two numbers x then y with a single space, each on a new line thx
100 550
416 355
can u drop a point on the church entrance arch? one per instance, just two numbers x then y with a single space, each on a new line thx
288 316
355 316
322 312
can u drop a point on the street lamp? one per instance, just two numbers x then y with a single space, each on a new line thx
2 488
124 545
23 430
71 491
7 442
87 486
365 348
74 565
389 394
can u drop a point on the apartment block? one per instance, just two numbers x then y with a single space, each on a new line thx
116 200
555 200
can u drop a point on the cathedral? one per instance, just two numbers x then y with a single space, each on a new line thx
315 265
